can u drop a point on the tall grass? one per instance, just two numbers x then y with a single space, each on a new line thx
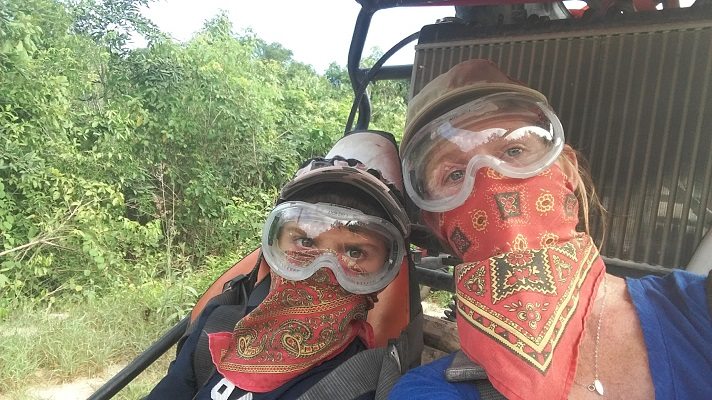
83 339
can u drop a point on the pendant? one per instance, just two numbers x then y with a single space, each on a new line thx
596 386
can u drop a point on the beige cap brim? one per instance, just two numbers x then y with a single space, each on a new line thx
457 97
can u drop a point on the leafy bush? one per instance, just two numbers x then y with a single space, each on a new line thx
122 166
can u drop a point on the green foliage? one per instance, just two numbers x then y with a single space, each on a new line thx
122 166
131 178
440 297
110 23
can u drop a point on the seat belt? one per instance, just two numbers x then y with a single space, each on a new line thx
462 369
359 375
371 371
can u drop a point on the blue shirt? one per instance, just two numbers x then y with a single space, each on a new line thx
677 329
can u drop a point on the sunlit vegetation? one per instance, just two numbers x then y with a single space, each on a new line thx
131 170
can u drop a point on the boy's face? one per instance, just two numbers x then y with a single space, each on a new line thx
363 251
359 249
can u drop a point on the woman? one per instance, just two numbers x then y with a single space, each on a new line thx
335 239
484 159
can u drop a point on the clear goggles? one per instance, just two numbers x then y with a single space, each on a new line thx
364 252
517 135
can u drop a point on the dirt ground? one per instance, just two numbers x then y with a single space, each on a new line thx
76 390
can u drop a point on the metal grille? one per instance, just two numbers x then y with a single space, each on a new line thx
637 103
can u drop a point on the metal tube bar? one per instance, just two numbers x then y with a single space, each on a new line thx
391 72
363 21
140 363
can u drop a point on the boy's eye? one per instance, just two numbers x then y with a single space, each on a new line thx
305 242
354 253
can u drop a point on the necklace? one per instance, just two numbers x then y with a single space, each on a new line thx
596 385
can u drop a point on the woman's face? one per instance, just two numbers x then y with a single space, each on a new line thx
515 135
447 165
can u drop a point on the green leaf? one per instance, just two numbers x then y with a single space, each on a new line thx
20 50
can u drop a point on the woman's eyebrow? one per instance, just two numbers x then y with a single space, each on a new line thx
357 229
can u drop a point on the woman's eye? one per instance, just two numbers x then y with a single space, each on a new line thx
513 152
456 176
305 242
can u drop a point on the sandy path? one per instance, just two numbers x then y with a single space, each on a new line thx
79 389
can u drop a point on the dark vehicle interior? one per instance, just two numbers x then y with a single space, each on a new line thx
631 81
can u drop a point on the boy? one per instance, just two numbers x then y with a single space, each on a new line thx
335 239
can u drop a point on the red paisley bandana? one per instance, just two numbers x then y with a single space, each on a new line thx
528 283
299 325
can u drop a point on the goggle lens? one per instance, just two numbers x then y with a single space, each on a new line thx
516 135
365 252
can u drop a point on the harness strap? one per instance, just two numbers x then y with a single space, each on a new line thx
414 329
377 369
410 343
462 369
370 367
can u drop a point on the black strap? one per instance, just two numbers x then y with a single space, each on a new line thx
357 376
259 292
415 328
251 278
232 306
410 343
462 369
373 370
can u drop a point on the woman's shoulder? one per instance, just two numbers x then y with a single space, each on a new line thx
676 292
675 304
675 319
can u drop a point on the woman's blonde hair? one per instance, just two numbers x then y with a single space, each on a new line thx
575 163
